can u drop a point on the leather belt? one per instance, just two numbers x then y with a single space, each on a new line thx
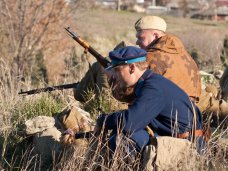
197 133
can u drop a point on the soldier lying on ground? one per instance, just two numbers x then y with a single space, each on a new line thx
158 103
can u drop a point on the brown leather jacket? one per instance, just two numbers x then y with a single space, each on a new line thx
168 57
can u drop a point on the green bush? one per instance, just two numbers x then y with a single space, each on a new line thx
17 142
29 108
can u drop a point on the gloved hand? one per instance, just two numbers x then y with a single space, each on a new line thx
67 137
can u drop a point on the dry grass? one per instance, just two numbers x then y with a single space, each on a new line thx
104 30
14 110
17 154
96 157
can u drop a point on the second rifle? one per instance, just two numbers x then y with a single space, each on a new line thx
48 89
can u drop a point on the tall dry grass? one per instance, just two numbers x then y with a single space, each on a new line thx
14 109
17 152
97 157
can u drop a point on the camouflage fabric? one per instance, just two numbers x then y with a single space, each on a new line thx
210 103
168 57
76 119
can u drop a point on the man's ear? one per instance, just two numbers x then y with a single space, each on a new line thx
132 68
156 35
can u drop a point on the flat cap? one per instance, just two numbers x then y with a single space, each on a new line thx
126 55
151 22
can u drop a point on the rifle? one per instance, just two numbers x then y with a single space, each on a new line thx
104 62
39 90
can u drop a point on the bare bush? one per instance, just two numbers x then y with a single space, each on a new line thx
28 27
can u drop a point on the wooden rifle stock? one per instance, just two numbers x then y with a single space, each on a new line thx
104 62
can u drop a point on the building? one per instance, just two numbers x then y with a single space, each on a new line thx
217 10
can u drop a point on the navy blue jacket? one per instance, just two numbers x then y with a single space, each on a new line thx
159 103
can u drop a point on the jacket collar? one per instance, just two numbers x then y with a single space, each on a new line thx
147 74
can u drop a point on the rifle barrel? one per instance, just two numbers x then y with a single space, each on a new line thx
53 88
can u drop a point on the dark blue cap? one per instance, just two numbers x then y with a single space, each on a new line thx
126 55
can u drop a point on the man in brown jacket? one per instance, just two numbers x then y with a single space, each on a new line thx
167 55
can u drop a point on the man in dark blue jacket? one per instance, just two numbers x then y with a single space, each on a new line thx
159 103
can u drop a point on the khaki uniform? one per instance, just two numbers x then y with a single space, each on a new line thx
168 57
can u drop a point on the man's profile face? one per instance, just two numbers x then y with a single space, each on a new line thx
123 75
119 76
144 38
